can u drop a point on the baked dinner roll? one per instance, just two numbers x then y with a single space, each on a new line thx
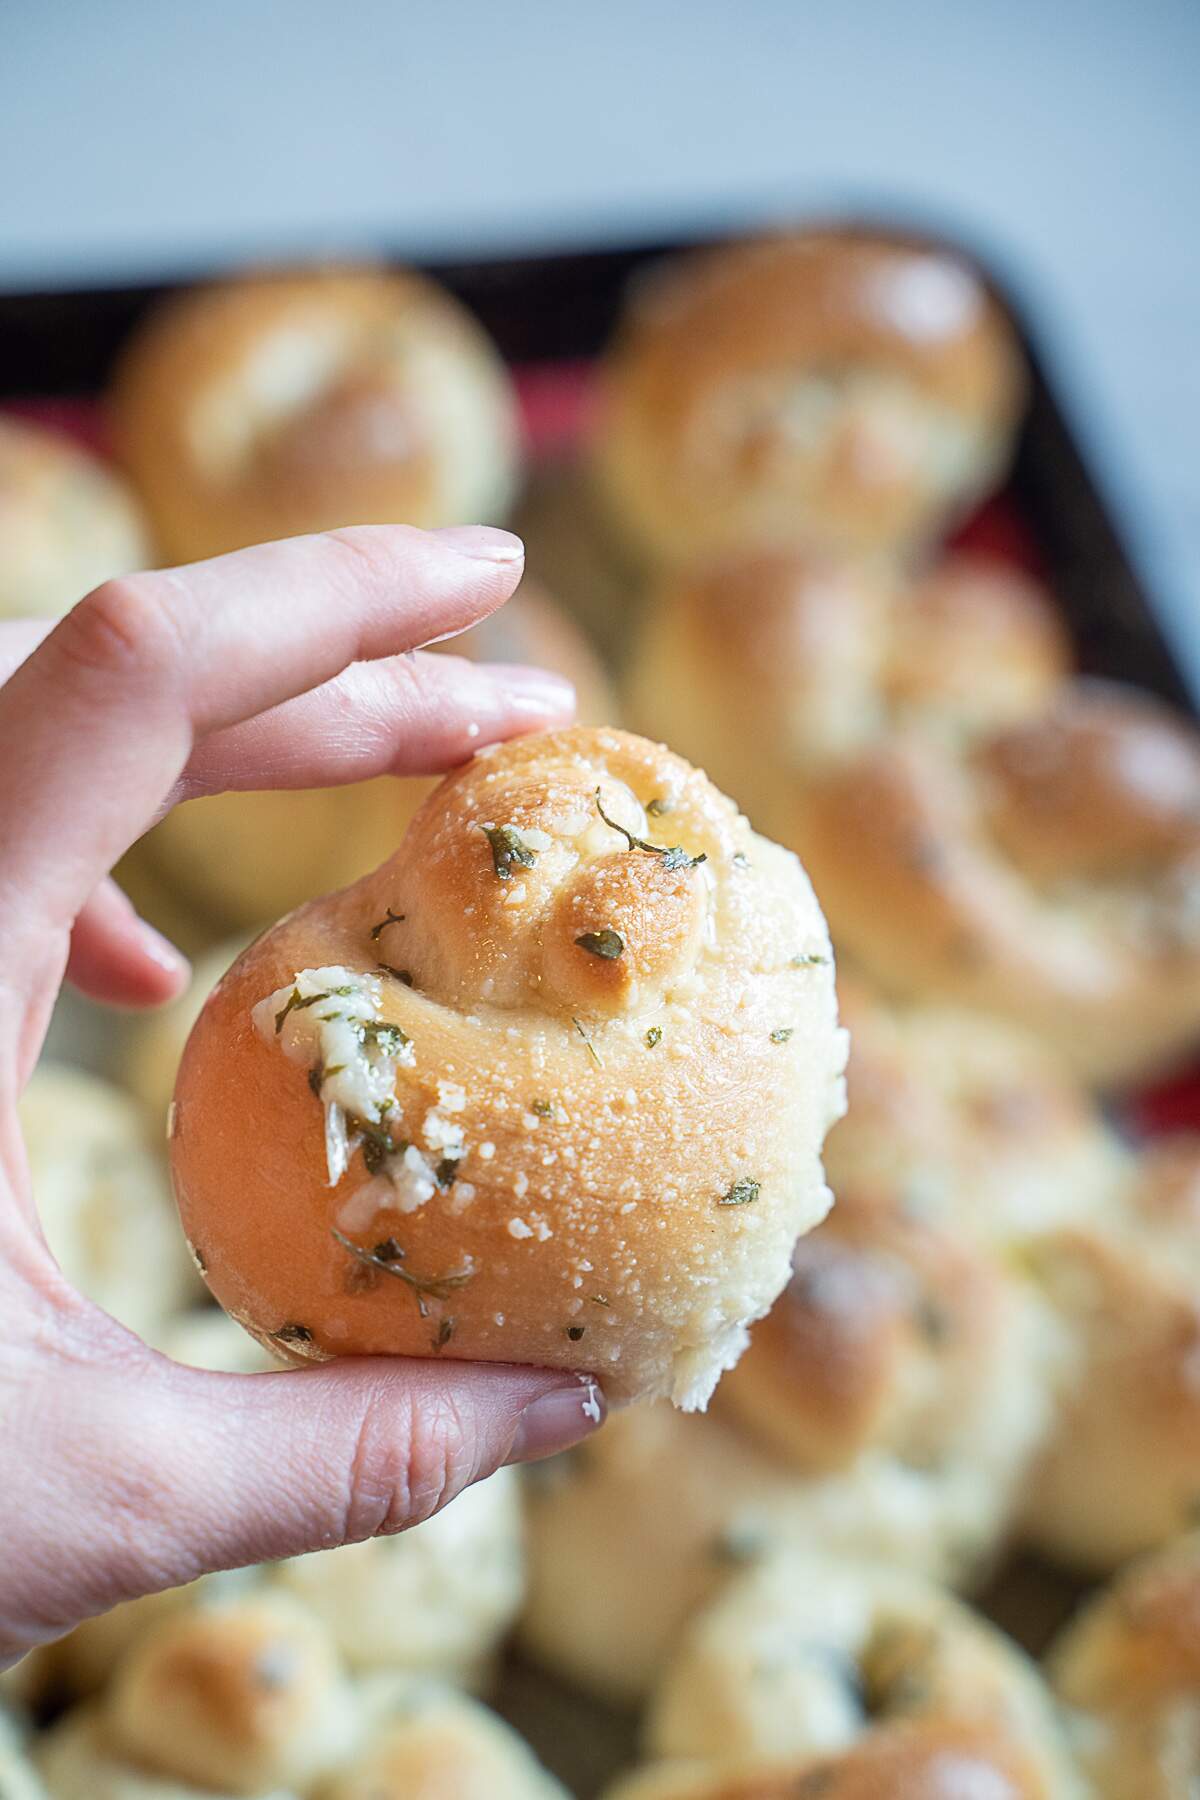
831 389
1047 875
81 1663
102 1196
242 1696
441 1746
908 1761
629 1534
764 667
67 523
903 1336
272 405
78 1761
244 858
1120 1473
969 1122
805 1654
436 1600
550 1086
1129 1669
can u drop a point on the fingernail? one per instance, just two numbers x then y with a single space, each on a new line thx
485 543
161 951
556 1420
534 690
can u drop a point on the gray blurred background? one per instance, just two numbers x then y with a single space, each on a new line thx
141 140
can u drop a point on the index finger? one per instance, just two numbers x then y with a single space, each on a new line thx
99 721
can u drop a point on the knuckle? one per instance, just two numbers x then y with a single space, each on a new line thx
407 1462
119 629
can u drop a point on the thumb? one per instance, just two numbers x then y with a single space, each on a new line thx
160 1473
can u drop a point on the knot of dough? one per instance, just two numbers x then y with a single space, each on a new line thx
839 653
242 1696
1103 785
933 1759
850 1647
892 1334
1062 892
517 887
821 387
1121 1471
1128 1666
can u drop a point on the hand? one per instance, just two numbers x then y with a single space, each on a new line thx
282 666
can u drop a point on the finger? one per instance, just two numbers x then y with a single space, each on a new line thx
409 715
118 958
160 1473
99 722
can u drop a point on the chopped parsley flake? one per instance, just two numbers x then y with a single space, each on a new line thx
509 850
389 918
607 944
674 855
741 1193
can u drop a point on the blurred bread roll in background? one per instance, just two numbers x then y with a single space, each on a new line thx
245 1695
831 389
436 1600
1048 872
901 1335
276 404
1120 1472
632 1532
967 1122
102 1196
442 1746
549 1086
244 858
809 1653
765 667
942 1760
67 522
628 1534
1127 1668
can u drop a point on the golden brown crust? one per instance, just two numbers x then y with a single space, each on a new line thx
969 1122
806 1653
244 1697
1005 888
764 667
248 857
889 1334
1138 1642
442 1746
272 405
620 1196
1120 1474
948 1760
1129 1667
829 388
67 522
